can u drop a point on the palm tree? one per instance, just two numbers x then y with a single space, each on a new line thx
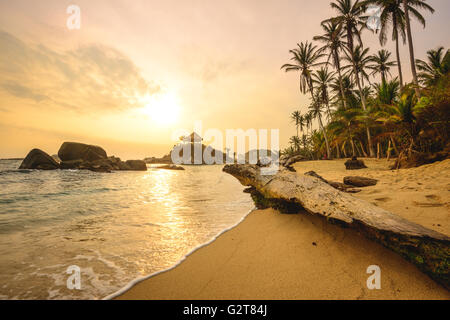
392 15
308 120
361 61
316 112
381 64
332 40
305 57
412 6
351 18
343 126
387 92
437 66
322 78
295 142
297 117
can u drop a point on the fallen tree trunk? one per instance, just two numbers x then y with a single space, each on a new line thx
289 192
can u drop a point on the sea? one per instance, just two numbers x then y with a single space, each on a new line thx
71 234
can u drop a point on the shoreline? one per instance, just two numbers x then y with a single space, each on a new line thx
136 281
302 256
323 261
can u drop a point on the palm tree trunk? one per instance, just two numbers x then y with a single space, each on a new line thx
320 122
338 153
388 152
341 85
411 48
325 137
394 145
397 51
363 100
362 149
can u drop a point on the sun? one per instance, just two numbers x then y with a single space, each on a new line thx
163 108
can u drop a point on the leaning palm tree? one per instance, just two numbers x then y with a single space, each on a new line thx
437 66
393 16
333 42
412 6
322 79
381 64
305 57
351 18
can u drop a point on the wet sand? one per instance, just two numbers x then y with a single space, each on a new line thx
276 256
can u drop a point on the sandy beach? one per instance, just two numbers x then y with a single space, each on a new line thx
276 256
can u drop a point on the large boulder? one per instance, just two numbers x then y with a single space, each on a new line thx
38 159
71 151
136 165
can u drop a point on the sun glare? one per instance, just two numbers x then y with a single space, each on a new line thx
163 108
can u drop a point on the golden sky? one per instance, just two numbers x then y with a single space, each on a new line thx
138 70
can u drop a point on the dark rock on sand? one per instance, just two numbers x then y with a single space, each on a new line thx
38 159
360 181
70 151
355 164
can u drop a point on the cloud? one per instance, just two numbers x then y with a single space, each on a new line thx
209 65
90 78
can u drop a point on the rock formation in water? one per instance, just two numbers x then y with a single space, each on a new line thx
291 192
80 156
38 159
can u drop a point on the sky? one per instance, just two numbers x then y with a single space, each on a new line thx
137 71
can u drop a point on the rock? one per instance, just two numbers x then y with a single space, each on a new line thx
360 181
73 164
153 160
136 165
56 158
70 151
355 164
427 249
170 167
38 159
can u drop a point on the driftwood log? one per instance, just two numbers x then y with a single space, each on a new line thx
338 185
291 192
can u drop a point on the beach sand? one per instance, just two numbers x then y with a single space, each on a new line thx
420 195
276 256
